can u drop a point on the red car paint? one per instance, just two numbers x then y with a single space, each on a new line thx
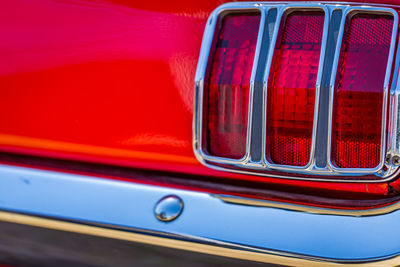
108 82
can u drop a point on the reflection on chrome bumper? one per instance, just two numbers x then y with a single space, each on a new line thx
125 210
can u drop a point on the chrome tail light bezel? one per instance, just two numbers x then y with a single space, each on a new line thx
390 142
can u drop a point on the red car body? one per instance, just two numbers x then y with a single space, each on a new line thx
112 83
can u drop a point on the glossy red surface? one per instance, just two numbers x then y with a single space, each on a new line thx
98 79
108 82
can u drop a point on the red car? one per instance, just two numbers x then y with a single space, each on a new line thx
199 133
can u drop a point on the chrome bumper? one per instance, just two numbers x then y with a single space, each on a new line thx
208 224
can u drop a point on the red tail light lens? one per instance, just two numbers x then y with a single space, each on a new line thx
359 92
226 88
291 88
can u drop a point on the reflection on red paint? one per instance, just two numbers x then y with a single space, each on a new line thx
81 72
109 82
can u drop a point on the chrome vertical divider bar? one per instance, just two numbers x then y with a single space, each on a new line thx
393 144
256 123
391 166
253 78
379 169
280 10
332 83
323 115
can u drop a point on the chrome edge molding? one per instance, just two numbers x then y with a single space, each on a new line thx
386 170
124 210
186 243
309 209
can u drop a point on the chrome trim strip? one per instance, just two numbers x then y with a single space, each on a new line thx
267 69
308 209
323 115
200 245
257 120
252 83
208 223
393 147
384 172
185 243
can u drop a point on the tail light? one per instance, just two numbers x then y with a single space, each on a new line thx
291 88
327 71
359 96
226 90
